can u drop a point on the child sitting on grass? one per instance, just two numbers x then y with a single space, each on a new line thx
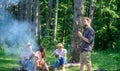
40 54
26 56
60 53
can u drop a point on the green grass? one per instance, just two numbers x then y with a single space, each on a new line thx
106 60
7 63
100 59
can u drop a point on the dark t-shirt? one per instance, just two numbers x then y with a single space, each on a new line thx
90 35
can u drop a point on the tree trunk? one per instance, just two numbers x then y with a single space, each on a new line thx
22 10
91 9
37 20
78 14
64 29
28 10
49 17
64 26
55 23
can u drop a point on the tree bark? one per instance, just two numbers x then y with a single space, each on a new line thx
49 17
78 15
55 22
64 26
21 10
91 9
28 10
37 20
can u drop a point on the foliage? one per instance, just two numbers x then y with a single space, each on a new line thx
106 24
48 43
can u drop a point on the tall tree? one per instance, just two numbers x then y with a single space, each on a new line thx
64 26
37 19
22 10
78 14
49 17
28 10
55 22
91 9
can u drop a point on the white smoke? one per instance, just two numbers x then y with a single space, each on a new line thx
10 2
14 34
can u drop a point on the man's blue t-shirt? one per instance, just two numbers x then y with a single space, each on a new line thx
90 35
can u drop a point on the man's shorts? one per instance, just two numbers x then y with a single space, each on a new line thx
85 57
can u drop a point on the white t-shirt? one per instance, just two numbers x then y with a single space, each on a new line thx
61 53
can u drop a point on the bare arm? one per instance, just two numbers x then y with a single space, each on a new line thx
31 50
53 54
82 37
65 55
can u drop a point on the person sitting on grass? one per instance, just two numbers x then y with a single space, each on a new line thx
40 54
25 58
60 53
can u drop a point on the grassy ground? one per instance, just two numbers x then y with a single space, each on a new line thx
106 60
7 62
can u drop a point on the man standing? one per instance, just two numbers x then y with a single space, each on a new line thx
86 44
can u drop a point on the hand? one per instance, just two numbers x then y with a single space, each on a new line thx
78 46
76 22
80 34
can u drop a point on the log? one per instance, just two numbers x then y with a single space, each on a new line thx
72 64
51 67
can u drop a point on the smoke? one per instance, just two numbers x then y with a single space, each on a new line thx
10 2
14 34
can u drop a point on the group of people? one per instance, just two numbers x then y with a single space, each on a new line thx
86 47
26 58
60 54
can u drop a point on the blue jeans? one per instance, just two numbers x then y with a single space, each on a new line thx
29 66
60 61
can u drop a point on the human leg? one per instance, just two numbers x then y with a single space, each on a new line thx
82 61
46 67
85 59
89 67
62 62
22 61
82 66
57 63
88 61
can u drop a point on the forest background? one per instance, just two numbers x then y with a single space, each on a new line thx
48 22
